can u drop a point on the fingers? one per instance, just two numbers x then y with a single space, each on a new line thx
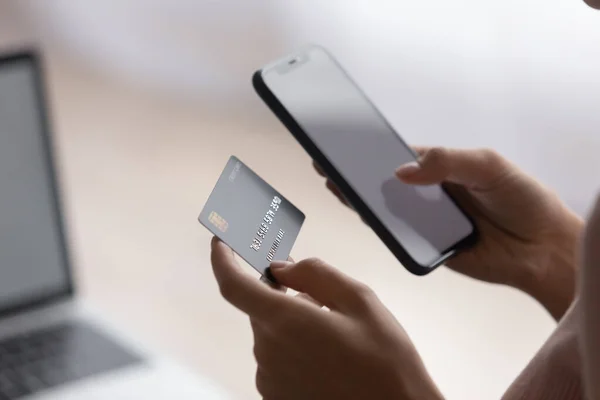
307 297
476 169
324 283
299 296
420 150
330 185
319 170
334 189
270 281
240 289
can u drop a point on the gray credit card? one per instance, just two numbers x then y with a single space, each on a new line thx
251 217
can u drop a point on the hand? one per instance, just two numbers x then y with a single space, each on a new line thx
528 237
590 305
357 350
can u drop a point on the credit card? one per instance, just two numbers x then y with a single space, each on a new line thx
251 217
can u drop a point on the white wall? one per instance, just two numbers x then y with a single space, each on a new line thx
520 76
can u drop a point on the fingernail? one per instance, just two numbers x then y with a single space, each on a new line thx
269 278
408 169
279 265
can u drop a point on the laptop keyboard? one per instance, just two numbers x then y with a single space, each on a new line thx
54 356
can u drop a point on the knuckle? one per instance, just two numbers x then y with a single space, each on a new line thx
435 155
496 166
311 264
364 296
491 156
364 291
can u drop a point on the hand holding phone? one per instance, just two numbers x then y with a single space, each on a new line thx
529 238
359 151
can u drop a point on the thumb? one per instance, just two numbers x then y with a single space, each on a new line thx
324 283
475 169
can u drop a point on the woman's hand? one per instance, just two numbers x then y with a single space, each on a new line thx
355 351
528 236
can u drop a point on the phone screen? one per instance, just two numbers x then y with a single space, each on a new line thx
365 150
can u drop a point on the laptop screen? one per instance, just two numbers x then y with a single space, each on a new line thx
33 266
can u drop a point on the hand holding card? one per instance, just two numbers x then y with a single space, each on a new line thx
251 217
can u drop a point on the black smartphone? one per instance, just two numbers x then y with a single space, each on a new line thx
359 151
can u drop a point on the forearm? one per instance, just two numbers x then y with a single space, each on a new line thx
554 284
556 290
590 305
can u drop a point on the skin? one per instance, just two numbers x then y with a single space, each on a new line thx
360 349
355 349
594 3
528 236
589 297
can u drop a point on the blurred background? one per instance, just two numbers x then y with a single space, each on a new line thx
149 99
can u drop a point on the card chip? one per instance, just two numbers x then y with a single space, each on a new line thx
260 225
219 222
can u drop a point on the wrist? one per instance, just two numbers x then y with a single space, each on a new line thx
553 280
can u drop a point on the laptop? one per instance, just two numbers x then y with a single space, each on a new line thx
51 345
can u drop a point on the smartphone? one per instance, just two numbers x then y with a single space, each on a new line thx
359 151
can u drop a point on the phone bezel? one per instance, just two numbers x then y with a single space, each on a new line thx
353 198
